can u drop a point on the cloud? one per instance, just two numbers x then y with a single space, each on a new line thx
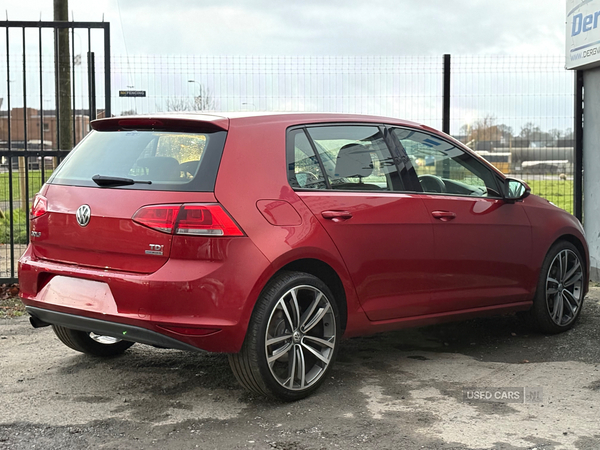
316 27
352 27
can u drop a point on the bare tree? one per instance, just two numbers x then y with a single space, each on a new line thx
202 102
529 130
556 133
178 104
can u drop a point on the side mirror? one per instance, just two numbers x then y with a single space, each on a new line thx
515 190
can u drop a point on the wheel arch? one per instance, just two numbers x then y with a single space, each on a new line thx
327 275
573 240
579 245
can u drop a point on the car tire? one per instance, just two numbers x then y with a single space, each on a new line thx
560 290
292 338
90 343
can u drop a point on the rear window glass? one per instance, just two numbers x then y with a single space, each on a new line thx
169 160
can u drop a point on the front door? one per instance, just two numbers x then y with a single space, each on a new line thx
483 244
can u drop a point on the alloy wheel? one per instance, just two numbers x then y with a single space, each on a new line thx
564 287
300 337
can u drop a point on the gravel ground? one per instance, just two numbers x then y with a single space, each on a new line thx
390 391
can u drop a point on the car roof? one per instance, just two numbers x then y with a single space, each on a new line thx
223 120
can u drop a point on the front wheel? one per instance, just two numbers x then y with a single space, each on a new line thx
91 343
292 338
559 296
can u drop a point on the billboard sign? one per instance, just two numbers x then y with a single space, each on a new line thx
583 34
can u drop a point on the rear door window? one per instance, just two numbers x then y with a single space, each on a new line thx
168 160
349 157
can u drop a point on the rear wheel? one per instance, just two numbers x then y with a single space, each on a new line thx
292 338
559 296
91 343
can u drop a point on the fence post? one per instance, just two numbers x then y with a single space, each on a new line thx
578 160
107 71
446 95
63 77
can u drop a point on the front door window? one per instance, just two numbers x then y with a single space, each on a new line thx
443 168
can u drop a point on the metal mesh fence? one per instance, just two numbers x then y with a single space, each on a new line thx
515 111
406 87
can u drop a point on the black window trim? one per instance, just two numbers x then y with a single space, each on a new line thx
404 166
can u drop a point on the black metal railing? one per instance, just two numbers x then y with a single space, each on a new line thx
43 120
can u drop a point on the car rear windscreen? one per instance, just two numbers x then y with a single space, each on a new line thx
148 160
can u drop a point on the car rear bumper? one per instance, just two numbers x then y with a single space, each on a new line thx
117 330
186 304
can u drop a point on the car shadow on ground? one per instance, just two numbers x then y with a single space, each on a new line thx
147 373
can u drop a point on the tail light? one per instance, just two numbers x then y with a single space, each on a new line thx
159 217
39 206
190 219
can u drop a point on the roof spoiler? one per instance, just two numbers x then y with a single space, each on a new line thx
175 123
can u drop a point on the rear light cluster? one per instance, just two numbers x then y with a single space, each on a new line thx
39 206
190 219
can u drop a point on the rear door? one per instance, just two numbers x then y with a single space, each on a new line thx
349 179
91 223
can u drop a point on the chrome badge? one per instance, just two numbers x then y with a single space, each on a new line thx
83 215
155 249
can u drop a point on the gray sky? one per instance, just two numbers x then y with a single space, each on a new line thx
326 49
319 27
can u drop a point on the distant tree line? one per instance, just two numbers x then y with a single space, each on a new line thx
487 130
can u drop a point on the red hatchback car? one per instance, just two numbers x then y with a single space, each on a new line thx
271 236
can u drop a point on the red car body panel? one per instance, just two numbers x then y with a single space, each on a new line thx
392 249
398 264
185 293
482 255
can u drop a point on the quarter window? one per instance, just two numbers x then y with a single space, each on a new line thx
304 169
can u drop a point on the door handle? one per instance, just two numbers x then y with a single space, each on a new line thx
444 216
337 216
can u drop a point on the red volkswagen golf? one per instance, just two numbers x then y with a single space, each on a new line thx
272 236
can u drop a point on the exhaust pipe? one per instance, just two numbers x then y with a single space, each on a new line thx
37 323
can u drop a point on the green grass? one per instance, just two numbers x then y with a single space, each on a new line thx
19 230
35 183
559 192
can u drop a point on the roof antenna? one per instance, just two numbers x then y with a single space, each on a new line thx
102 17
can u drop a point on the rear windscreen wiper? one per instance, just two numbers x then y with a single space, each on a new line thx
103 181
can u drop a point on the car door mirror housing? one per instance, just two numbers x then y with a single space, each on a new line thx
515 190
